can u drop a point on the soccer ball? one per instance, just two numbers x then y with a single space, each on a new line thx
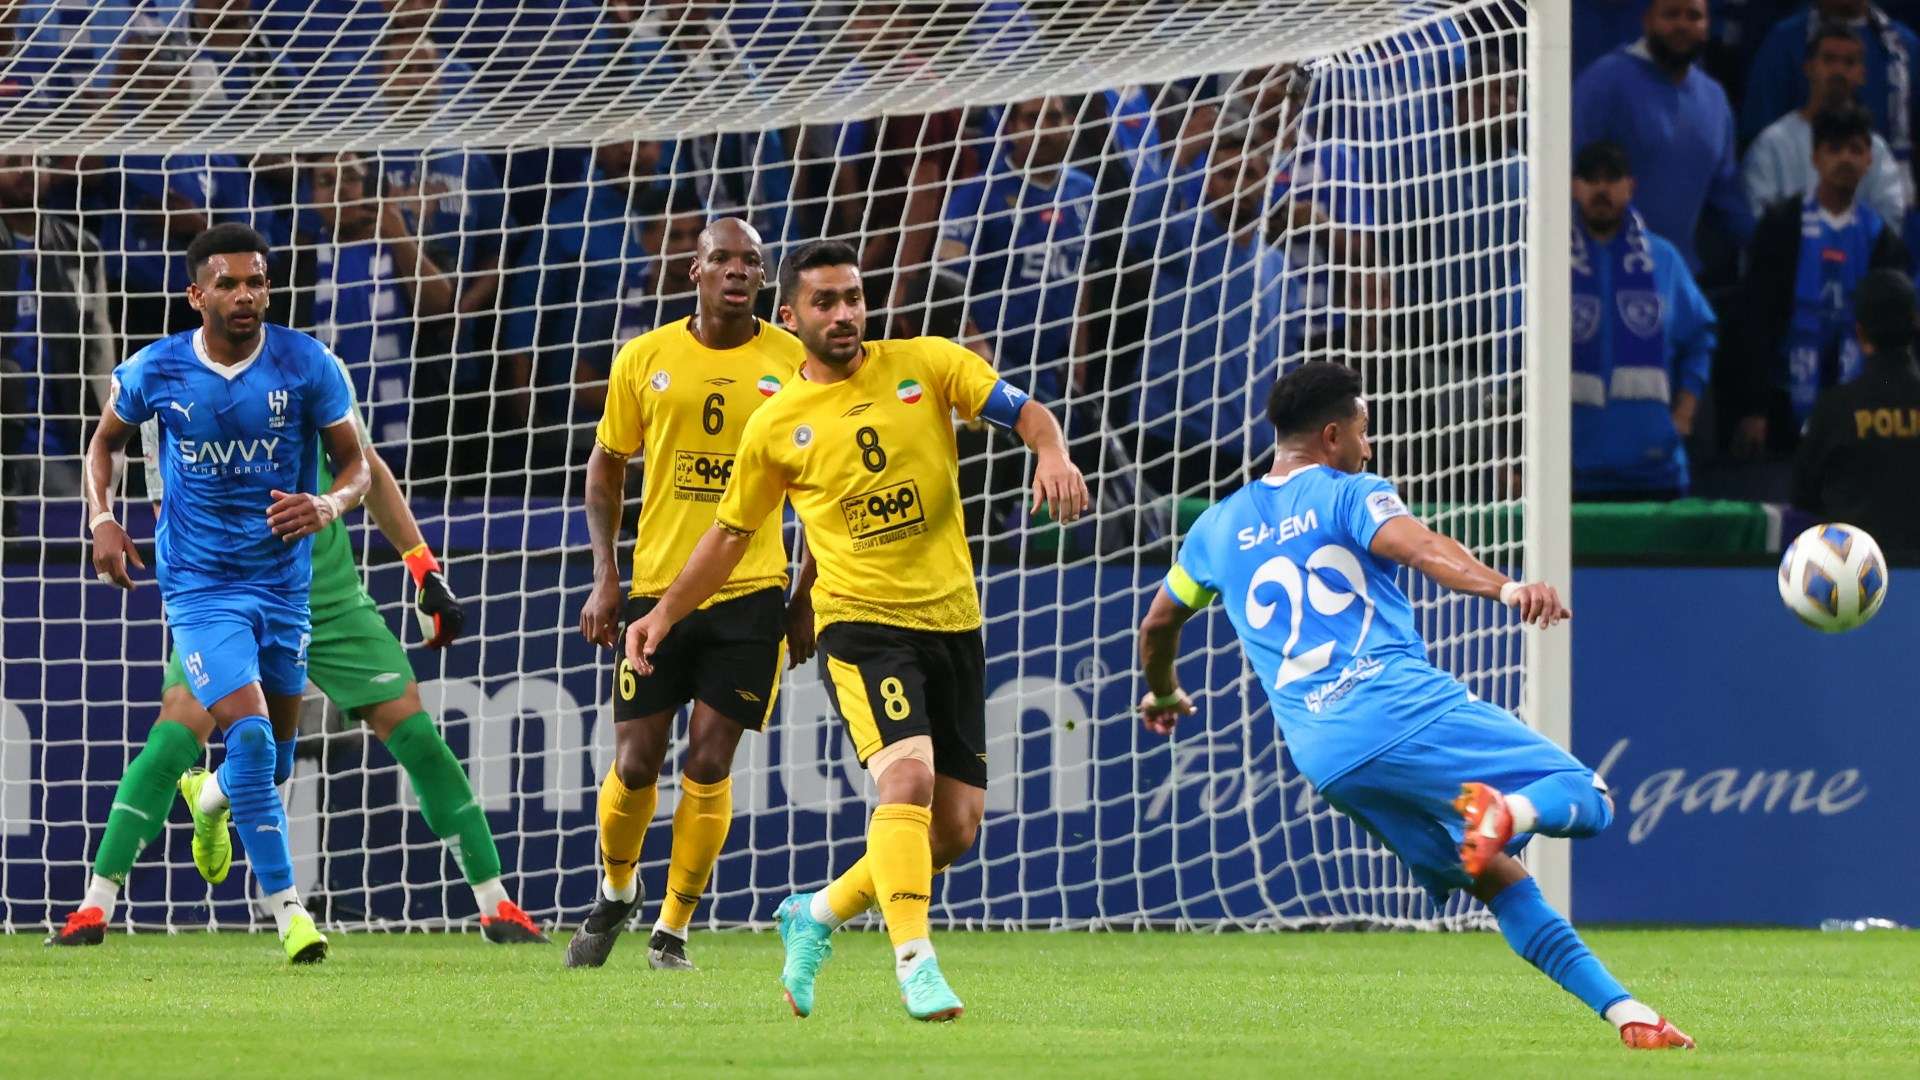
1833 577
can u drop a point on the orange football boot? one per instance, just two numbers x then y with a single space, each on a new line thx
1489 826
1660 1036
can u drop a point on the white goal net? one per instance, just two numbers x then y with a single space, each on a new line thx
1142 210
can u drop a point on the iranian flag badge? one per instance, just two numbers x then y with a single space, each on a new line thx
768 386
908 390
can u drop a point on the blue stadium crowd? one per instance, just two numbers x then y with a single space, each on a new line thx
1741 168
478 296
1145 257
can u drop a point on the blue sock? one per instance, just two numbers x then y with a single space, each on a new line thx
1568 805
247 779
1547 941
282 761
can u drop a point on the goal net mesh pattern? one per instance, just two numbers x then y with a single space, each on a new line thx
1143 212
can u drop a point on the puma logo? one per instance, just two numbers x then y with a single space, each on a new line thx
184 410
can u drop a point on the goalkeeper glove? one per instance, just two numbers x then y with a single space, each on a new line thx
434 604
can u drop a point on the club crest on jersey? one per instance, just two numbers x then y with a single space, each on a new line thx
1640 309
1586 318
909 391
803 436
659 381
277 401
768 386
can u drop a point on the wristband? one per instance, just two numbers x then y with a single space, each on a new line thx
1507 592
1166 701
102 516
420 562
333 503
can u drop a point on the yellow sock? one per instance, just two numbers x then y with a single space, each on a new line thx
901 859
852 892
624 815
700 825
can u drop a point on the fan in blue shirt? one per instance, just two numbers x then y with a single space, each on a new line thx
1643 341
1673 121
1304 562
1216 322
240 405
1019 235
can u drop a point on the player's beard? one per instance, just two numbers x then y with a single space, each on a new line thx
1671 59
224 326
836 352
1605 226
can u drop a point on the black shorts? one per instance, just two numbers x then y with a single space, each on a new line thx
889 683
728 656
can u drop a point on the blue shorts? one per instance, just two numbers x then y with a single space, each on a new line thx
237 634
1404 796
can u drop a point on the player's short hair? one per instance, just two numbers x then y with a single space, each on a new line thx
1602 161
1311 396
227 238
1884 306
1829 30
813 255
1834 127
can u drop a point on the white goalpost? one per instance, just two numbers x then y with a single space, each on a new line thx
1143 211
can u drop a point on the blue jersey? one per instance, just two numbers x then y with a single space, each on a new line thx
228 438
362 313
1216 322
1027 246
1330 635
467 215
145 259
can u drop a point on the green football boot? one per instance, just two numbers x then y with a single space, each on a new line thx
212 843
304 942
809 944
927 995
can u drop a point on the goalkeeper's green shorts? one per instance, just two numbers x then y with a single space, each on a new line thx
353 658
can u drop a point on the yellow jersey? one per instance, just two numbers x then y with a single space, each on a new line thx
870 467
687 406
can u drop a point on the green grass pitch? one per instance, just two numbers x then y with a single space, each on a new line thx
1761 1003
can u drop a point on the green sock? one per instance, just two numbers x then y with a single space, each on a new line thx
446 799
141 802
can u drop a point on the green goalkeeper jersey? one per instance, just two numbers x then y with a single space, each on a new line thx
337 585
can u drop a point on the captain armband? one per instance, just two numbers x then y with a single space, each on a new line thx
1003 405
